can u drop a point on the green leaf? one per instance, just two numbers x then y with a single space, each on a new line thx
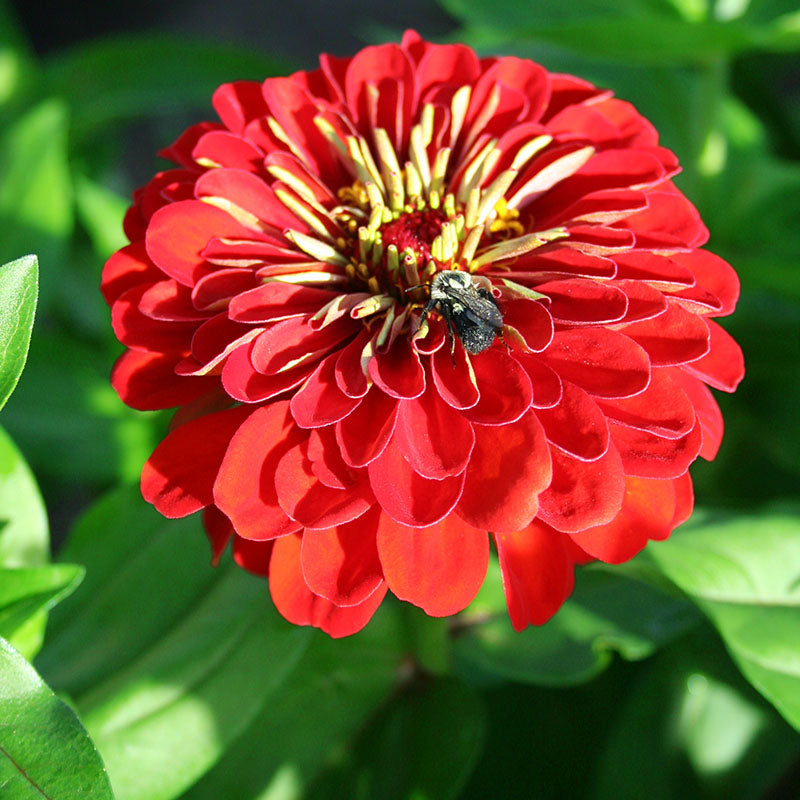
168 660
164 721
129 77
18 291
744 573
689 726
144 574
28 592
314 716
44 749
36 192
424 745
606 613
63 414
24 538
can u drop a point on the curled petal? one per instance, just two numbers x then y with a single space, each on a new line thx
603 362
537 573
582 494
320 401
508 468
245 486
178 478
408 497
723 366
341 563
439 568
309 501
398 371
647 513
505 389
365 432
576 424
434 440
298 604
649 456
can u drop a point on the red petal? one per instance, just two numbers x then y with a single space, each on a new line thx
582 494
406 496
532 320
454 382
293 340
252 555
508 468
308 501
714 275
134 329
546 383
538 574
221 149
341 564
277 300
723 367
602 362
298 604
364 434
434 438
662 409
127 268
178 478
647 513
669 222
584 302
648 456
177 234
350 377
375 71
147 381
237 103
169 300
327 462
242 382
576 424
245 487
320 401
505 389
249 193
708 414
398 371
439 568
219 531
674 337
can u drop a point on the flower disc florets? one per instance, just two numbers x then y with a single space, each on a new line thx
281 288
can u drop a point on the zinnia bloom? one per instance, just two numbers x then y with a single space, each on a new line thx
344 445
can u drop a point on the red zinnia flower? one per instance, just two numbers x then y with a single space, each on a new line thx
349 447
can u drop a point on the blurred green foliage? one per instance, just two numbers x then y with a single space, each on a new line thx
186 679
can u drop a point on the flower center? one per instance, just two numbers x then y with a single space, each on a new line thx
414 233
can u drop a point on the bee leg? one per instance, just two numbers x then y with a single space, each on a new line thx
451 331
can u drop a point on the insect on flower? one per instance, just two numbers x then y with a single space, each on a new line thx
469 310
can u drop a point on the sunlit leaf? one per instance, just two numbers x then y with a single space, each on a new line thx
744 573
167 660
26 593
18 292
36 192
44 749
23 521
322 706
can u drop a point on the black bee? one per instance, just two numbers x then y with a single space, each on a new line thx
470 311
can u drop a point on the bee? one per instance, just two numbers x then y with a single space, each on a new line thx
469 310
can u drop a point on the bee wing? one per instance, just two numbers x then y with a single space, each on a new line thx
481 308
